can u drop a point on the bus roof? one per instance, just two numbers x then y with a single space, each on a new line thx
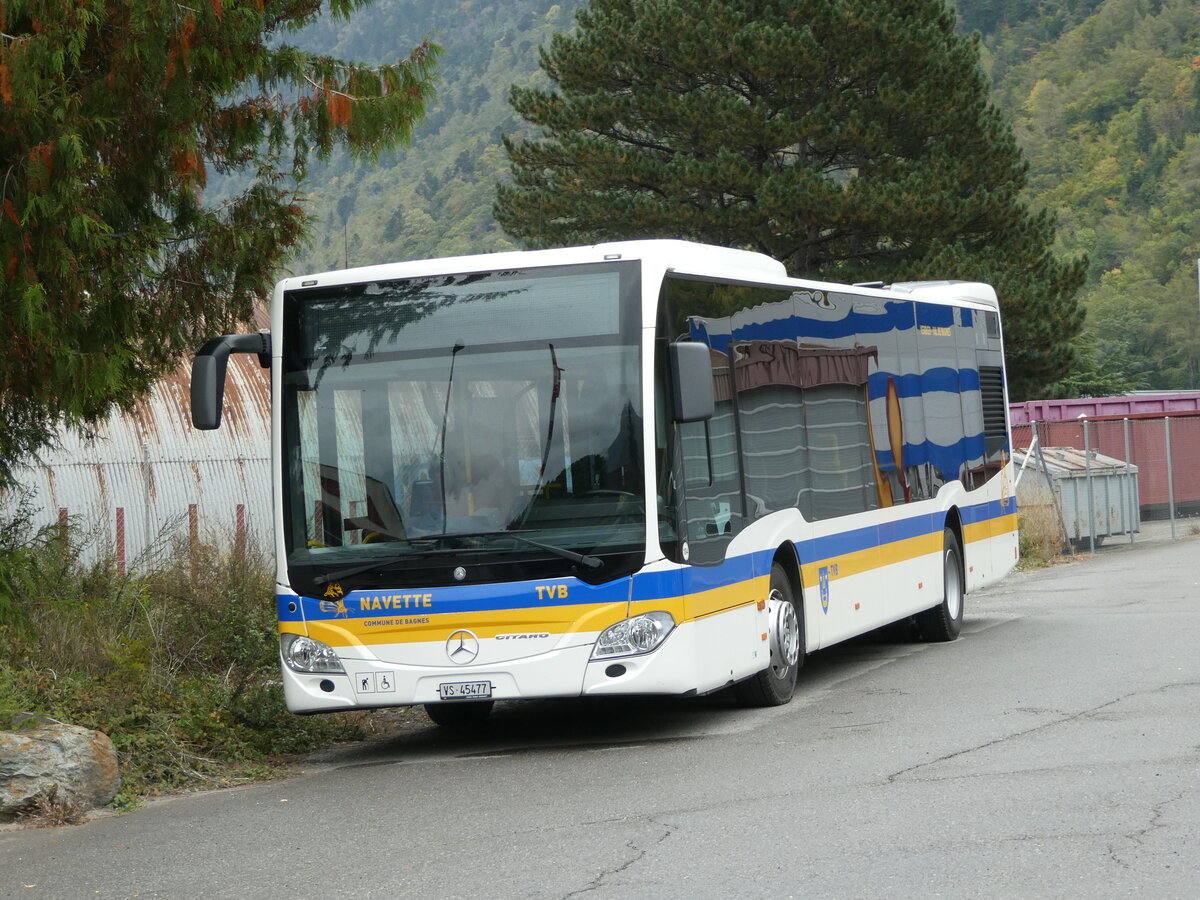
684 257
949 291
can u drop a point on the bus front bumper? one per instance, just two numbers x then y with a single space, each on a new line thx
565 672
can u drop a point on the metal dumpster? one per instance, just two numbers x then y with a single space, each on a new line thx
1096 496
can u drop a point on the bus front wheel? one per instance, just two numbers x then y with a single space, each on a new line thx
775 685
944 621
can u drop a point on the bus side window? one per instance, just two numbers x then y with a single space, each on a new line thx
711 484
703 456
698 485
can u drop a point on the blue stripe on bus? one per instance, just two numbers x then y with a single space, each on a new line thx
898 316
467 598
935 315
652 586
946 459
940 378
981 512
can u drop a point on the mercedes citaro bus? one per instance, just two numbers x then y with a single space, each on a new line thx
649 467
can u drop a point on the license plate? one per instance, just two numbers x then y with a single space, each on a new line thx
465 690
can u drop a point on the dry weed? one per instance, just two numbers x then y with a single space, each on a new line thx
1041 534
50 810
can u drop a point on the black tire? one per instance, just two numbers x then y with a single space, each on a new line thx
460 715
775 684
944 621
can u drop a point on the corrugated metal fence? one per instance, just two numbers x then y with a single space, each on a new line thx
146 477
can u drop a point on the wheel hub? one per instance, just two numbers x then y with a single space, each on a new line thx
784 628
954 588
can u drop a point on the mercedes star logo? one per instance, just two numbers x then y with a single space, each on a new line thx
462 647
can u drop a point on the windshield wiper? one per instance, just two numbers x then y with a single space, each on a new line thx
583 559
555 391
379 564
592 562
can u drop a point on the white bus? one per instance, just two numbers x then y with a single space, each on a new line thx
649 467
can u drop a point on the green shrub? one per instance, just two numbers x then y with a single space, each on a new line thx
179 665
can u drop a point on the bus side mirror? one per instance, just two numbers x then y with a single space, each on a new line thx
208 374
691 381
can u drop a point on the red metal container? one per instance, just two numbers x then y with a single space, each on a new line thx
1127 405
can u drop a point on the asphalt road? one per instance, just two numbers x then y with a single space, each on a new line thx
1052 751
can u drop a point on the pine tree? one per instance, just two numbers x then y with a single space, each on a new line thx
850 139
112 115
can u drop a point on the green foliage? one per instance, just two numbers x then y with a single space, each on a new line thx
1121 189
113 113
38 568
1107 109
178 666
767 126
1102 369
15 559
434 199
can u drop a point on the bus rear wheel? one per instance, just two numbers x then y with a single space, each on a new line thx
775 685
944 621
460 715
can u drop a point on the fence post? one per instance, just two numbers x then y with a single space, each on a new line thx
194 539
121 541
1131 510
1170 476
149 532
240 531
1087 468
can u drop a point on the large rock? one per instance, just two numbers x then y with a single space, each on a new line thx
79 763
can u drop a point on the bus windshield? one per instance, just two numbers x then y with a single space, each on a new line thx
488 423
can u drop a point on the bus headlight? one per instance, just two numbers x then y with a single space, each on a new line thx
303 654
638 634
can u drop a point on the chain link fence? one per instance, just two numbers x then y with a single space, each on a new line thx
1126 475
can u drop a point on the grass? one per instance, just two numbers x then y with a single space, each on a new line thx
178 664
1041 535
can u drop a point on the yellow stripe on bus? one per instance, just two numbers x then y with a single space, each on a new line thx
403 629
707 603
870 559
901 551
412 628
990 528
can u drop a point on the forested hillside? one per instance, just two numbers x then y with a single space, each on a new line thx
1105 99
434 199
1104 96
